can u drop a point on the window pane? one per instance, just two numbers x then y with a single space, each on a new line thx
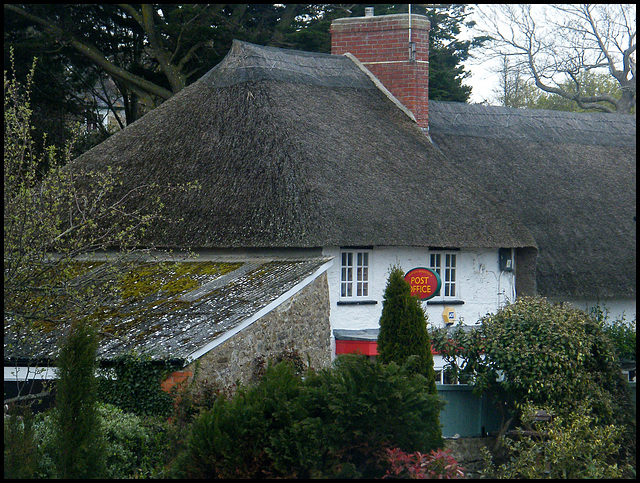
357 273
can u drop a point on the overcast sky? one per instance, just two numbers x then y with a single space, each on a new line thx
484 79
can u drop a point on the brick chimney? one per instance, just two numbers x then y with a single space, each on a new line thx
395 48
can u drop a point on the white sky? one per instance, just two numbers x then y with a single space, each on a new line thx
484 77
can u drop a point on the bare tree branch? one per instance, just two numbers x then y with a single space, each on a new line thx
572 40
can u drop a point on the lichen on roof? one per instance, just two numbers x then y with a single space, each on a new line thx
168 310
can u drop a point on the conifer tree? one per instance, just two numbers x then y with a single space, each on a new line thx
403 328
80 442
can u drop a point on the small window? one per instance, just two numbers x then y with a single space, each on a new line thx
354 274
444 376
445 265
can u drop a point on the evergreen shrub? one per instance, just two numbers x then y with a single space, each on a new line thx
336 422
403 328
80 443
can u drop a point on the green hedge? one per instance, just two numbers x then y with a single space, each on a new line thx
336 422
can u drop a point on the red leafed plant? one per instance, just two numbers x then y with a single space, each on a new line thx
438 464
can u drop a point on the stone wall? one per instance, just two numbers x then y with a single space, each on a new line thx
301 324
468 453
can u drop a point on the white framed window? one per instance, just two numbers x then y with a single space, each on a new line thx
444 376
445 264
354 273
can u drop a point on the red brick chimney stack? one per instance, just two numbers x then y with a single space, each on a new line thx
395 48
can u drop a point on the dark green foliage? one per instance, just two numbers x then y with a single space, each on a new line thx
135 447
231 440
333 423
361 408
135 386
79 437
403 328
20 457
623 337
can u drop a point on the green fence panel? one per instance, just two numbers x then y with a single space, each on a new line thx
467 415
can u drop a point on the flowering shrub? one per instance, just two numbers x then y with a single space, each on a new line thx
437 464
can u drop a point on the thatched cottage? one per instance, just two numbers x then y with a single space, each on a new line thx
339 163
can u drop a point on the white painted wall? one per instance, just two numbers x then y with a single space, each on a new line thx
613 308
481 285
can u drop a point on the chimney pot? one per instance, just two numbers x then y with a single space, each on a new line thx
368 11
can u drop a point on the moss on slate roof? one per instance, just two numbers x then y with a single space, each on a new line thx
169 310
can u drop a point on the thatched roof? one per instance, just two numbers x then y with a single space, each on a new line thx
298 149
174 310
569 177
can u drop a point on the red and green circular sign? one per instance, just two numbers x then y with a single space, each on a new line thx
424 283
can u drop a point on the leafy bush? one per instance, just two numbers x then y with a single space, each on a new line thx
333 423
134 446
417 466
565 447
549 355
623 337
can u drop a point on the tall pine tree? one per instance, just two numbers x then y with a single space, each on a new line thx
403 328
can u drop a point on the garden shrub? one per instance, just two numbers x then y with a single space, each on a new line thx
438 464
134 446
79 440
366 407
550 355
565 447
403 328
231 440
622 335
337 422
20 448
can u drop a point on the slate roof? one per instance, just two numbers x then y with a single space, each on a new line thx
299 149
569 177
177 310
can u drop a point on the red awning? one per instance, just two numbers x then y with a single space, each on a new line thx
365 347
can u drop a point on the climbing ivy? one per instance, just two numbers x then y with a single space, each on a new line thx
132 383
